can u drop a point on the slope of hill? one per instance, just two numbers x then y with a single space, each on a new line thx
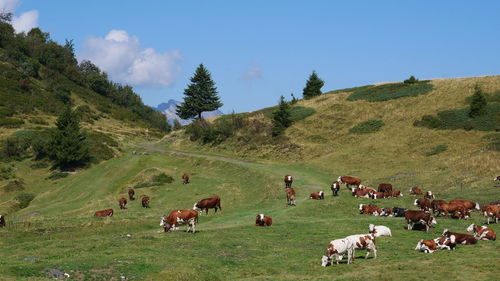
169 109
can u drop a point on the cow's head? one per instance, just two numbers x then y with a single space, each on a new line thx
433 220
477 206
165 224
471 228
371 228
419 245
415 202
340 179
326 261
195 207
361 207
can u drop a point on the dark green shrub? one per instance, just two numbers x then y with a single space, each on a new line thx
38 120
6 172
411 80
281 118
99 146
6 112
428 121
390 91
477 104
39 165
459 119
436 150
146 184
163 178
14 148
366 127
9 122
14 185
57 175
24 199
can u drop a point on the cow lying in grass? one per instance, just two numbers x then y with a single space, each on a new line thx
262 220
104 213
379 230
317 195
464 239
370 209
482 232
432 245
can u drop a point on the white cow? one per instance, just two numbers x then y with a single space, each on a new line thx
380 230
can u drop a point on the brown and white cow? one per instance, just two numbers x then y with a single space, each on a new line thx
384 187
365 242
436 206
386 212
185 178
208 203
349 181
180 217
335 188
288 181
429 195
336 250
320 195
460 238
491 211
145 201
104 213
370 210
423 203
262 220
432 245
482 232
290 196
2 221
361 193
469 205
416 191
455 209
419 217
122 202
497 178
378 195
131 194
393 193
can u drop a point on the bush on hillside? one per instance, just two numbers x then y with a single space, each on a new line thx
6 172
390 91
411 80
478 104
57 175
436 150
24 199
14 148
163 178
9 122
223 128
367 127
494 144
14 185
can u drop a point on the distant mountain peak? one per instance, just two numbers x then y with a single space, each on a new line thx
169 109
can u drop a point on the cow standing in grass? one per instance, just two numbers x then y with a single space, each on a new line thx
290 196
349 181
145 201
131 194
208 203
185 178
180 217
491 211
419 217
122 202
335 188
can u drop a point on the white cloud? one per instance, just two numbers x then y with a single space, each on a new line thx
23 23
253 73
120 55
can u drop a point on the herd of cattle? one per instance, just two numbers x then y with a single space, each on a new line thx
415 219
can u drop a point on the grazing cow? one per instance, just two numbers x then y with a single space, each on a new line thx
363 241
429 195
337 249
416 191
370 209
104 213
262 220
469 205
464 239
436 206
378 195
349 181
491 211
379 230
432 245
179 217
317 195
122 202
290 196
423 203
145 201
386 212
2 221
365 193
393 193
497 178
398 212
419 217
208 203
482 232
335 188
131 194
288 181
384 187
185 178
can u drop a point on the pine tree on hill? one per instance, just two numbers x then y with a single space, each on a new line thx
199 96
478 103
68 147
281 118
313 86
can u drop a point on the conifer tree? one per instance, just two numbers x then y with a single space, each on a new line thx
199 96
313 86
68 147
281 118
478 103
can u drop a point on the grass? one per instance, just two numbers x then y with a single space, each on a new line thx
436 150
390 91
367 127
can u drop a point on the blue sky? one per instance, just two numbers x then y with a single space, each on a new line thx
258 50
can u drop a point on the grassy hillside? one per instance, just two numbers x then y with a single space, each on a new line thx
58 230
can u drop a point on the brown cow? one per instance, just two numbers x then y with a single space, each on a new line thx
208 203
386 212
262 220
348 181
429 195
419 217
185 178
491 211
104 213
2 221
317 195
436 206
288 181
469 205
378 195
370 209
179 217
290 196
464 239
453 209
393 193
145 201
423 203
384 187
122 202
131 194
482 232
416 191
